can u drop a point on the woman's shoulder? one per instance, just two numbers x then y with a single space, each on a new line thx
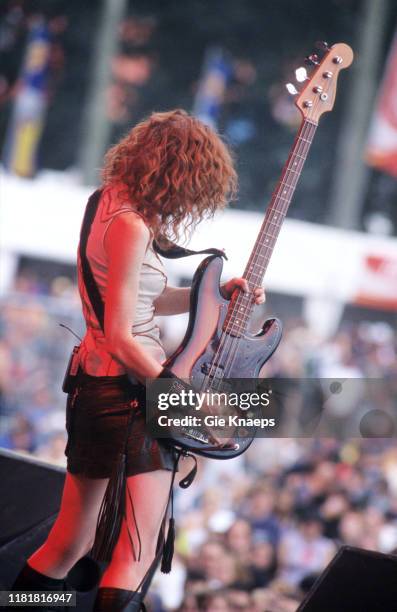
115 200
129 226
124 222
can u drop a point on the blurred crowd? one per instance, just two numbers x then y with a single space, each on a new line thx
252 532
34 350
255 532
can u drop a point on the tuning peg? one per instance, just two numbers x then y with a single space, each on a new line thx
312 60
301 74
291 89
322 45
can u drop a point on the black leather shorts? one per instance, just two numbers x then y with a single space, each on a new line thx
97 417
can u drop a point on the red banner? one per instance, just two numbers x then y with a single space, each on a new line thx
382 143
377 287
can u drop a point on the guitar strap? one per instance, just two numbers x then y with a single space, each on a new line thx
88 277
175 252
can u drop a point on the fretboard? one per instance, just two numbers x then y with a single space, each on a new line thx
240 309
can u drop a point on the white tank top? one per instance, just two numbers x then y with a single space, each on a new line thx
94 357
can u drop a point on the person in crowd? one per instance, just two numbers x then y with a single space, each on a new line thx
304 551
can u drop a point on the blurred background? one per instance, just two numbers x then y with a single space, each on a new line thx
74 77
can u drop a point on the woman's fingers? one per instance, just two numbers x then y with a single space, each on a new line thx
260 296
242 284
258 292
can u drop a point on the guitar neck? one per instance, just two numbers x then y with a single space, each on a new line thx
279 205
240 309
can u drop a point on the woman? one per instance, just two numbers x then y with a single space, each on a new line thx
165 176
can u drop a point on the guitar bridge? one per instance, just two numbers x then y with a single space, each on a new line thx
195 434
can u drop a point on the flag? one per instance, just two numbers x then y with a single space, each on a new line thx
28 113
211 91
377 282
382 142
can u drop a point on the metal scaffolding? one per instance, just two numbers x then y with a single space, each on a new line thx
95 125
351 175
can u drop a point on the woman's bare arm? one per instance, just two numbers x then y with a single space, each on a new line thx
173 300
125 245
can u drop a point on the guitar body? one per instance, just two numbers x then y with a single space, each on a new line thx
208 311
198 350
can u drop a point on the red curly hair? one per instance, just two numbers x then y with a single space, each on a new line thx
175 170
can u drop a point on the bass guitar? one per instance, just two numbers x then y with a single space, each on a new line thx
218 345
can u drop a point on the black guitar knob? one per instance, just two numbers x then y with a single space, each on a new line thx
312 60
322 45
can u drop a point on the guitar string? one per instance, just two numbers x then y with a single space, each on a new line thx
226 339
306 136
307 130
258 252
232 353
233 345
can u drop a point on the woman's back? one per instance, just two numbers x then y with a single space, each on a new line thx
94 356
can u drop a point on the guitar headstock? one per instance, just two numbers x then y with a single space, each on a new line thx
319 89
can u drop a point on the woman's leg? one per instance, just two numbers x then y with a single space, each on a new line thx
149 493
72 534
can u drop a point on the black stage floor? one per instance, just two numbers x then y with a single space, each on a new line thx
30 495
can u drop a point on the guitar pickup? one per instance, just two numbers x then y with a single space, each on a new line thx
213 370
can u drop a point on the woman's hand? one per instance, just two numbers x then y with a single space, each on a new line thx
227 289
